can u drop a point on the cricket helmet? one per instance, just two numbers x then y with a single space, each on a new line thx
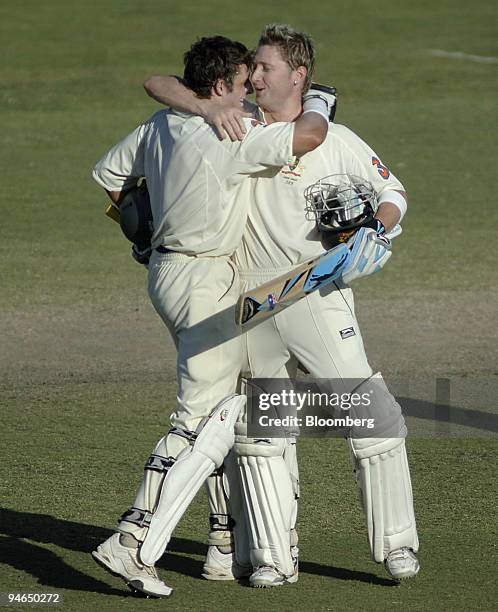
135 216
340 203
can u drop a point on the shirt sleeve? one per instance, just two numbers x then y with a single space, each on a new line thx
120 167
365 162
265 145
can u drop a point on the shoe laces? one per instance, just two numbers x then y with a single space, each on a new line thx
399 555
152 571
263 568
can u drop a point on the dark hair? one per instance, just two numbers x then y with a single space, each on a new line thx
213 58
297 48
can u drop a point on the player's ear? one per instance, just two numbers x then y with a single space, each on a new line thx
300 73
219 88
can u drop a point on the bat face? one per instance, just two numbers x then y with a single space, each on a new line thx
326 269
279 293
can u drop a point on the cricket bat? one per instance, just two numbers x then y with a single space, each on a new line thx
275 295
112 211
264 301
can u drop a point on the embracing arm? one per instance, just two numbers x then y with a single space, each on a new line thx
312 126
170 90
310 130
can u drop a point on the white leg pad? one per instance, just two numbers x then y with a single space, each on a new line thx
269 500
194 464
237 511
290 458
383 478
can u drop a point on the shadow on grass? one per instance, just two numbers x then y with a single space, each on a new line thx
52 570
341 573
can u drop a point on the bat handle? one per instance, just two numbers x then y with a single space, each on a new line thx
396 231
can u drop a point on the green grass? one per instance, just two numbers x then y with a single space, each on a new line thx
69 92
73 447
74 455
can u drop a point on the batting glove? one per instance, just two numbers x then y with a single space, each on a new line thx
324 93
370 252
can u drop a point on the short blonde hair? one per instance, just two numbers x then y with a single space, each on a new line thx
297 48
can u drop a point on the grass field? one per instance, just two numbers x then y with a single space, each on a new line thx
87 371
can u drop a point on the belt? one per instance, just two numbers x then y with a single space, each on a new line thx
163 249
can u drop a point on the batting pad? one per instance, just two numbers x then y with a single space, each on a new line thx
193 465
290 458
269 499
386 496
383 476
237 509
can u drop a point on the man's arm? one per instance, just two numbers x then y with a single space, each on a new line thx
121 167
392 206
115 196
169 90
310 131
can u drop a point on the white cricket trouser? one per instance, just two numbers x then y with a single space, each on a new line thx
195 297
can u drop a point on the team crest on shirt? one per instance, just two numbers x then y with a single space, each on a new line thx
293 171
381 169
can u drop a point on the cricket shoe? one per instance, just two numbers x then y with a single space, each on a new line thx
266 576
223 566
124 562
402 563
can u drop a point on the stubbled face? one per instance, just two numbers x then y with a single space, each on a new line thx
272 78
240 88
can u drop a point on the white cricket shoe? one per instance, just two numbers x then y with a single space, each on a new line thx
266 577
124 562
402 563
222 566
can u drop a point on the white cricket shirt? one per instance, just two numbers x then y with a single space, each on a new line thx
193 177
277 234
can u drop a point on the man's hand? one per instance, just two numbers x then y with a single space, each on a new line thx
171 91
226 121
369 254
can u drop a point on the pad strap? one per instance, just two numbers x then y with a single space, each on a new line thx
158 463
137 516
